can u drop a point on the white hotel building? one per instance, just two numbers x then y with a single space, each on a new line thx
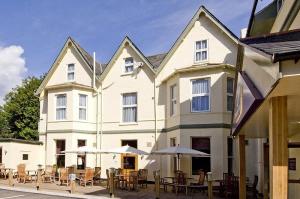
180 97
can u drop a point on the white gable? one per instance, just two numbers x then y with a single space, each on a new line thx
82 73
221 48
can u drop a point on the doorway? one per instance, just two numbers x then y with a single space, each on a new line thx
129 162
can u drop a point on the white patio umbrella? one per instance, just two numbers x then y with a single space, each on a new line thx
125 150
177 150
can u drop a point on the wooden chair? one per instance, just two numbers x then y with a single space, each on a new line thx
133 180
49 174
64 176
22 175
97 174
143 177
88 177
200 184
2 171
252 187
180 183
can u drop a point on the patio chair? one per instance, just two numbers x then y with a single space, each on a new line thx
142 177
97 174
2 171
200 184
49 174
133 180
64 176
252 187
22 175
88 177
180 183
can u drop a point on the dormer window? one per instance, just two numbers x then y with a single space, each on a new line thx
71 72
201 51
128 65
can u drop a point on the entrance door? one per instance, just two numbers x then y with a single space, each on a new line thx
129 162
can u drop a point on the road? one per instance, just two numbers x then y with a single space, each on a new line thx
6 194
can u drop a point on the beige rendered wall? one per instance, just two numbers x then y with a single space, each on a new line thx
12 154
221 49
82 73
116 83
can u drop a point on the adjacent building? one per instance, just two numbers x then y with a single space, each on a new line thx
266 99
181 97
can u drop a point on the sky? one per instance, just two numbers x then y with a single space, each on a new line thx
32 32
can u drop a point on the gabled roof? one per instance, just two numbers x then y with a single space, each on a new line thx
88 59
281 46
201 10
156 60
126 41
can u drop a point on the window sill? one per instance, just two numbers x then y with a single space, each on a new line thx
126 74
127 123
208 111
201 62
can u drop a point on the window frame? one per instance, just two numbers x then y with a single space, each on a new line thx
229 94
173 99
71 71
83 107
129 106
200 50
210 147
60 154
61 107
196 95
126 65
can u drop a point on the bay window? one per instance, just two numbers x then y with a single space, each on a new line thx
82 107
230 82
61 106
172 100
200 95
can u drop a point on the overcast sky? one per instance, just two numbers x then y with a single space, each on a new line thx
32 32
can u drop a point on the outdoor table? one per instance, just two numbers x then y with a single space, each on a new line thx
122 179
6 171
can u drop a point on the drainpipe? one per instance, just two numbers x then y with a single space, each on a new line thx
155 116
97 104
101 120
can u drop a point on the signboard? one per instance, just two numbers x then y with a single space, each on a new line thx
247 100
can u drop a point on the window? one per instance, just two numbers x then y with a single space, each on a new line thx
173 100
60 157
129 107
81 159
129 161
200 95
201 51
71 72
128 65
61 106
230 82
82 107
25 157
174 158
230 154
200 163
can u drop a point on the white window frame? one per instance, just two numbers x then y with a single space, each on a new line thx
229 94
173 99
196 95
61 107
83 107
128 106
71 71
200 50
126 65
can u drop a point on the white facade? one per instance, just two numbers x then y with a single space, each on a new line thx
14 152
151 123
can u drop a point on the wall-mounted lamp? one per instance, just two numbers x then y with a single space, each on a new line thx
5 152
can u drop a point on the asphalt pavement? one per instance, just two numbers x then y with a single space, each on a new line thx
8 194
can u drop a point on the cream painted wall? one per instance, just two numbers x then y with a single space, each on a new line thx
117 83
83 75
12 155
221 49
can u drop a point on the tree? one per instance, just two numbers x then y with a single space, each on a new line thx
20 114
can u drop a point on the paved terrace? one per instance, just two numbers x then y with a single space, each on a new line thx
87 192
